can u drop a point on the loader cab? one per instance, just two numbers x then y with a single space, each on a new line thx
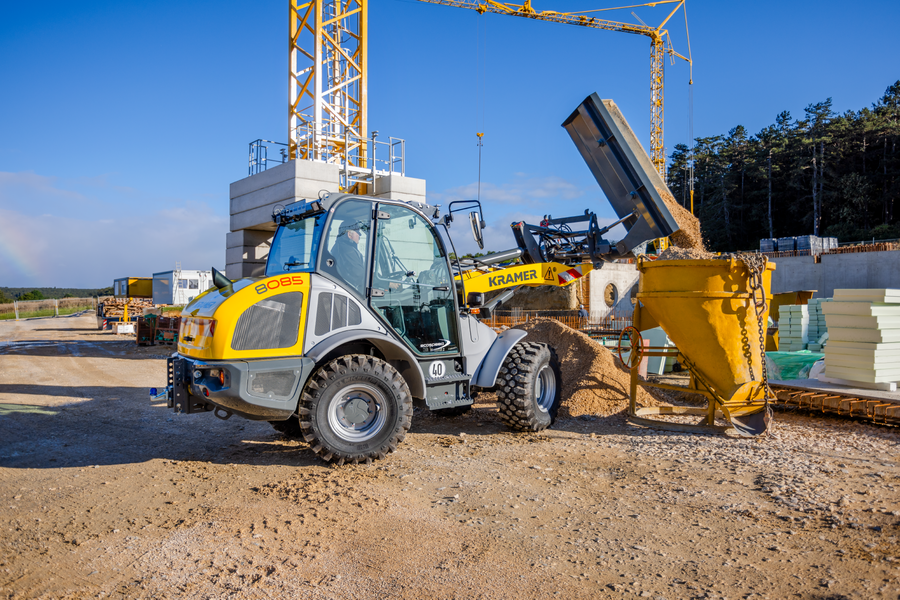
388 255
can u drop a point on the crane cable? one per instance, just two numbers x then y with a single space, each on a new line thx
480 84
690 108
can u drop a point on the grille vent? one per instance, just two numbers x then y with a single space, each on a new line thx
270 323
334 311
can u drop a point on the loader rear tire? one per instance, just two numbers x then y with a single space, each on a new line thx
355 409
528 387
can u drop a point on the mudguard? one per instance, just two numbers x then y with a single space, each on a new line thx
389 347
486 375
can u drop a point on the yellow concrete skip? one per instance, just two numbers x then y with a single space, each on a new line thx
705 307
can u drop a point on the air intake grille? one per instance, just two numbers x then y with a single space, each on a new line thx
270 323
335 311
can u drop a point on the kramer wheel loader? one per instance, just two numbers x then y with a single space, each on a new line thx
362 311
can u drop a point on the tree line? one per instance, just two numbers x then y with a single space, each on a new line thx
9 295
825 174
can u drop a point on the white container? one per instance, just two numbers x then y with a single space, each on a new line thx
177 288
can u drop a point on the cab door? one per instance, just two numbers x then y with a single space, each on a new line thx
412 289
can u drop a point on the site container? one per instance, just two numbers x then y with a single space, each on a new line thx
133 287
179 287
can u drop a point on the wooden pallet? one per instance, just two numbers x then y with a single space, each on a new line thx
819 397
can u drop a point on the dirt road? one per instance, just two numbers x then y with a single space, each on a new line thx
104 495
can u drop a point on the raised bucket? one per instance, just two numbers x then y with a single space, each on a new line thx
707 310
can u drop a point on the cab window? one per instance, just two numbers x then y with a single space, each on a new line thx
347 241
410 268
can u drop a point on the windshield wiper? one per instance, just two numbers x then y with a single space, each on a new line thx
294 264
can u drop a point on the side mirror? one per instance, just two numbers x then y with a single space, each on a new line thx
219 279
476 224
475 299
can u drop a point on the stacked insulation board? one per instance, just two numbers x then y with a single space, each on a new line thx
817 325
863 338
793 327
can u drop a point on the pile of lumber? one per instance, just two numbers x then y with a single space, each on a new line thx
876 247
863 338
115 307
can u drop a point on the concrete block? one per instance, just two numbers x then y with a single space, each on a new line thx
295 169
245 269
246 253
396 187
259 218
247 237
280 192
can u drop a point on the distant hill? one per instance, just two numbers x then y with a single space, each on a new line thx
12 293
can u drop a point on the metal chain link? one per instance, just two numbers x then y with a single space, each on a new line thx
756 266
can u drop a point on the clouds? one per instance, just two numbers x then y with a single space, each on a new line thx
521 191
54 234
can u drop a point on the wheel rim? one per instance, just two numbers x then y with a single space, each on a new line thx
545 388
357 413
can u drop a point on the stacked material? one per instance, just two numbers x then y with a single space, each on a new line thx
115 307
793 327
786 244
817 326
863 338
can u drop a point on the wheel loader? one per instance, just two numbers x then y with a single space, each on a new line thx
362 311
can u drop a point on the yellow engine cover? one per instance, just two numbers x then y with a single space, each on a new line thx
209 322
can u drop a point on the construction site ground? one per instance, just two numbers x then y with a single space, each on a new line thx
104 496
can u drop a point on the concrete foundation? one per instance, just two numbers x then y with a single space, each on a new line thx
863 270
253 199
611 290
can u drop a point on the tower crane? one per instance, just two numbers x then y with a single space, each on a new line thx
660 45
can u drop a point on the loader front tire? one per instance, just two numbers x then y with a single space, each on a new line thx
528 387
355 409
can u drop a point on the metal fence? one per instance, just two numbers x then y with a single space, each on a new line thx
596 322
24 309
881 246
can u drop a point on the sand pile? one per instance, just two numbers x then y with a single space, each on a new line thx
592 384
689 236
674 253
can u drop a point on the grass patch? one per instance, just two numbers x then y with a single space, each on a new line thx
47 312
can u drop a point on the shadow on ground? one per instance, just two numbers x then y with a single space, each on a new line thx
123 349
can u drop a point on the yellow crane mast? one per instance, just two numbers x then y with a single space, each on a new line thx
660 45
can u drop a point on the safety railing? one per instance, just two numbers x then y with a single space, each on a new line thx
596 321
361 159
259 155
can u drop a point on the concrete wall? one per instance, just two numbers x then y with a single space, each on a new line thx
863 270
623 277
254 197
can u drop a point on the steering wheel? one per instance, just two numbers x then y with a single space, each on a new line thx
636 347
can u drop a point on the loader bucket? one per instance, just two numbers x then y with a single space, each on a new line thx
622 168
706 309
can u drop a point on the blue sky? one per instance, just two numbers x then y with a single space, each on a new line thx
122 124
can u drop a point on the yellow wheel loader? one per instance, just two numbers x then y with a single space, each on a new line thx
362 311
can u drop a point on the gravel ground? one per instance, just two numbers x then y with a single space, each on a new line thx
104 496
